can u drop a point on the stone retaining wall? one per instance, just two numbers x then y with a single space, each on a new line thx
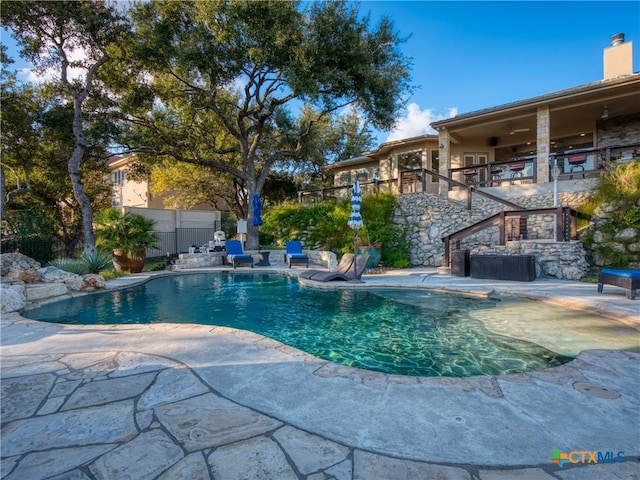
429 217
563 260
610 243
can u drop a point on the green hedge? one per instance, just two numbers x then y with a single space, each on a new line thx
324 227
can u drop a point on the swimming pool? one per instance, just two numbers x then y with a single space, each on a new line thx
400 331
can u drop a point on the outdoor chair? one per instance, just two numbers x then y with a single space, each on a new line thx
629 279
346 263
361 266
294 255
235 254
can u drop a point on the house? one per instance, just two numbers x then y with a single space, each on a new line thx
577 131
523 168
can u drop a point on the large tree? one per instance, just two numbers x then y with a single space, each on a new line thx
37 140
72 40
224 83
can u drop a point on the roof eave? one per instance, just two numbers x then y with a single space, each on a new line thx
539 100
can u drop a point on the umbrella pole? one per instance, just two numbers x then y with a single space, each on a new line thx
355 253
355 278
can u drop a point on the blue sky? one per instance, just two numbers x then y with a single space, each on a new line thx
470 55
473 55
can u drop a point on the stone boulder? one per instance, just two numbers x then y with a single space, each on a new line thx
19 267
42 282
54 275
91 282
12 297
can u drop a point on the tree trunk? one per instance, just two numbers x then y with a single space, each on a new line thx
74 173
253 240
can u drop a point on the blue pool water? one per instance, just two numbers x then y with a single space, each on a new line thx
407 332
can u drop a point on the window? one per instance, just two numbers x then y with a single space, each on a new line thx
117 177
435 165
410 160
362 175
344 179
475 159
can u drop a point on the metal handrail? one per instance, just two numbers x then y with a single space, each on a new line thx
564 232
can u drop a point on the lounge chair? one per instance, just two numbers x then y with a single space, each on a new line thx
294 255
361 266
346 264
629 279
235 254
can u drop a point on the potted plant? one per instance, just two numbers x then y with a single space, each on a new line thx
127 236
365 246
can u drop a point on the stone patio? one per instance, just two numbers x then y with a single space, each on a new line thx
169 401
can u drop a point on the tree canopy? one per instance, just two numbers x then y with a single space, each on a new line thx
70 39
242 86
37 141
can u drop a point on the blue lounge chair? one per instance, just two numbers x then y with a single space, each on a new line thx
235 254
294 255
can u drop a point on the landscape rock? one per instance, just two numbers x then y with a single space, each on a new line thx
92 281
52 274
19 267
41 282
12 297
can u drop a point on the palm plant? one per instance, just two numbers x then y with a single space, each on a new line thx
127 235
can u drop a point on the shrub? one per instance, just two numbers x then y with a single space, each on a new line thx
71 265
96 261
130 233
324 226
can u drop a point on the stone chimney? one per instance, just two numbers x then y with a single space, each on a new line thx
618 58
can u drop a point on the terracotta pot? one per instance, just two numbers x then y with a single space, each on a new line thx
125 264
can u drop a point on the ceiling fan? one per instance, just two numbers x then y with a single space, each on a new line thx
517 130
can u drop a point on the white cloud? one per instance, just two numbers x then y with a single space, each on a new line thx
77 56
416 122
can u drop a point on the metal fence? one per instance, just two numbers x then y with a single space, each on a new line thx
180 240
44 250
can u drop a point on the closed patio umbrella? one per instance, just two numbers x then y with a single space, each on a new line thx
256 203
355 221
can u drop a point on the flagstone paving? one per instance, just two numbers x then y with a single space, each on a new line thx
196 402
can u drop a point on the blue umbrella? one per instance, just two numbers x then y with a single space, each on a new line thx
355 222
355 219
257 210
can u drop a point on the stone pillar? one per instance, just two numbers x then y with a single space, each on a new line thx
543 126
445 160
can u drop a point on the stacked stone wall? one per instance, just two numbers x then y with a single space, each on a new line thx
564 260
429 217
611 245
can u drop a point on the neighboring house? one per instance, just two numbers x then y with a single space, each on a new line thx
178 229
125 191
577 130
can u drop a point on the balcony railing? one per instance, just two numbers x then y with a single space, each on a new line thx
515 171
587 162
576 164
